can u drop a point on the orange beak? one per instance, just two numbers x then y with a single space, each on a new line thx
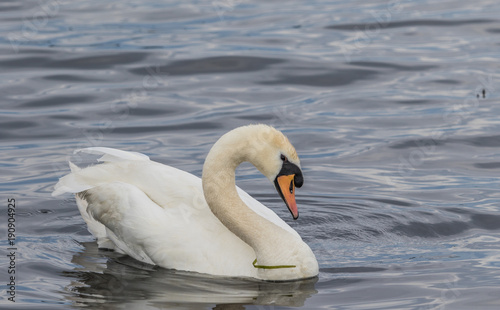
286 188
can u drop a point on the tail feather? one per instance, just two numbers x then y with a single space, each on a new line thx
77 181
70 183
110 154
73 167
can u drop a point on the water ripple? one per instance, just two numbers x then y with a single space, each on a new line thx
393 111
410 23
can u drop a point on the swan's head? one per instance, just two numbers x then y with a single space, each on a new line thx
275 157
267 149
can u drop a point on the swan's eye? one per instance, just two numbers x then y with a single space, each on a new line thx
283 158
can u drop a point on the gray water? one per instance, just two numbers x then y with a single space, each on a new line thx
383 101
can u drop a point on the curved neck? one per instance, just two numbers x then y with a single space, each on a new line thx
220 192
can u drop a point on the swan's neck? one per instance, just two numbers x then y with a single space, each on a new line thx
220 192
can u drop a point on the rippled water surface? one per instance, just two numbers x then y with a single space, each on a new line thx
393 107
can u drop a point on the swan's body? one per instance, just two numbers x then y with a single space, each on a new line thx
164 216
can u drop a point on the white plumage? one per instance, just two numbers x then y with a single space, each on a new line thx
159 214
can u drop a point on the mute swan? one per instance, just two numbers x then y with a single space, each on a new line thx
164 216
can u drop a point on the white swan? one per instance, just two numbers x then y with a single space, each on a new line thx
164 216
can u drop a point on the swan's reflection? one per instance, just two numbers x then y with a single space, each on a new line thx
123 282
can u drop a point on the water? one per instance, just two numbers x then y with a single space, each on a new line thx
382 99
